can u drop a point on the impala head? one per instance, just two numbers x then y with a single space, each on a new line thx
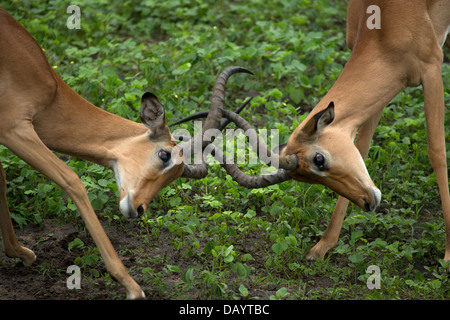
150 161
146 164
327 155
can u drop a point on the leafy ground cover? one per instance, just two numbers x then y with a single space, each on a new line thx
211 239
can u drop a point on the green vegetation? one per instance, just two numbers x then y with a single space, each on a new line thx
231 242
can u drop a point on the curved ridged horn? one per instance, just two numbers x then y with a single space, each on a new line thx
199 171
218 100
205 113
288 162
285 163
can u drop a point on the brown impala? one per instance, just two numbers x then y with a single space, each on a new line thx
404 50
39 112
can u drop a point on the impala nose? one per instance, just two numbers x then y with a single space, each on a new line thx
127 209
140 210
375 201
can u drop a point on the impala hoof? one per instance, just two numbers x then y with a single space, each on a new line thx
26 255
136 296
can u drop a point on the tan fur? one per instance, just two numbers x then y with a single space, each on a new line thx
39 112
406 51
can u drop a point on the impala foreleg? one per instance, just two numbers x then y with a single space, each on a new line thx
435 114
25 143
11 246
331 235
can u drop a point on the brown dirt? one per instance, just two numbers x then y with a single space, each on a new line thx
47 278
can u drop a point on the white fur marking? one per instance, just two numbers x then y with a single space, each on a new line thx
445 37
377 194
124 207
117 174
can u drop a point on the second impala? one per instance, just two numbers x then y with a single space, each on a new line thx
405 49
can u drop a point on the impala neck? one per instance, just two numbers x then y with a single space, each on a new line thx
73 126
366 85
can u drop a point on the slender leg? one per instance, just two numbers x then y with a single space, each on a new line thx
435 114
11 246
331 235
26 144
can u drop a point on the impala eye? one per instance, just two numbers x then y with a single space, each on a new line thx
319 161
164 156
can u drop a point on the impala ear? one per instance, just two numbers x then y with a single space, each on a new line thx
152 114
325 117
319 121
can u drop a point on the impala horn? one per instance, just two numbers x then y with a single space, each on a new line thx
216 112
285 163
199 171
204 114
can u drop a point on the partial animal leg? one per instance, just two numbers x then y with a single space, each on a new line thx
331 235
24 142
433 90
11 246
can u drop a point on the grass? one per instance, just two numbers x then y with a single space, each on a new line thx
230 242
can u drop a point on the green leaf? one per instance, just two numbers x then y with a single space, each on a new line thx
280 294
250 214
279 248
228 258
291 239
173 268
275 93
174 202
103 182
228 251
76 243
356 258
304 80
241 269
185 67
130 97
90 259
188 275
94 273
72 207
243 290
436 284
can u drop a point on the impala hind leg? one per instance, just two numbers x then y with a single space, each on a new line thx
331 235
24 142
433 90
10 244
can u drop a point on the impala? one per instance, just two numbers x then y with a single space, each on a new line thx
39 112
405 51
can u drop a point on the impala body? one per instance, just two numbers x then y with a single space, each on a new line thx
405 51
39 112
